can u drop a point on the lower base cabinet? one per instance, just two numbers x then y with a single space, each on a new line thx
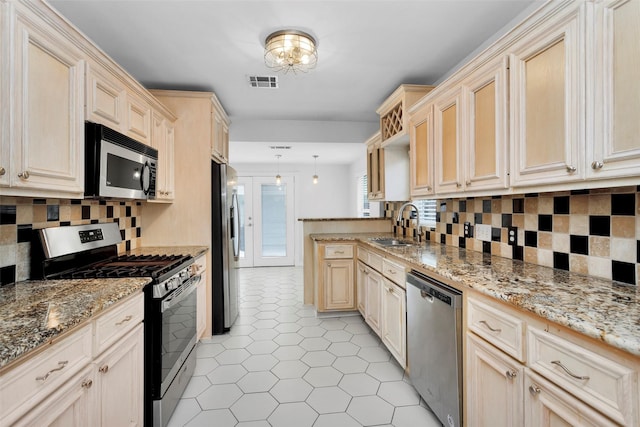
335 277
394 320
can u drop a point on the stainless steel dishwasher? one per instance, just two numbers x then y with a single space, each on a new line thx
434 341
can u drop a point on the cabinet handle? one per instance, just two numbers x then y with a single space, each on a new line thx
571 169
391 271
103 369
511 374
484 322
564 368
339 252
596 165
87 384
126 319
534 389
458 185
390 290
24 175
60 367
2 171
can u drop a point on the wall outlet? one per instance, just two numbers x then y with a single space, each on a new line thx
468 229
512 236
483 232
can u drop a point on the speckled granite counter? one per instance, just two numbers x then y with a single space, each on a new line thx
34 313
345 219
194 251
605 310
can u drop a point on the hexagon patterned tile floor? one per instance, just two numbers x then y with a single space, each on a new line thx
281 366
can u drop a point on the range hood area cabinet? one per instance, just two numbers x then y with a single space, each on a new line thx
394 120
387 171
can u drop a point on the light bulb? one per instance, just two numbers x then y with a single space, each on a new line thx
278 180
315 179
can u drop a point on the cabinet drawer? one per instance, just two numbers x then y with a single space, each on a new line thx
38 377
599 382
394 271
500 328
112 325
200 264
338 251
375 261
363 254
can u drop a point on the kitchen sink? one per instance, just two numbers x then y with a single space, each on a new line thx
388 242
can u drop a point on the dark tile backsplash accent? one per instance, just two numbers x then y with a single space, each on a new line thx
20 216
594 232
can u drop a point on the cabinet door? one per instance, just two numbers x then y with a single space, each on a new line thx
616 152
201 305
105 99
448 137
486 144
421 151
494 387
375 163
547 102
71 405
220 137
547 405
373 290
47 93
120 380
394 320
138 123
339 292
163 141
361 293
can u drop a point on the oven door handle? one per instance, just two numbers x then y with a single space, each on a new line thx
180 293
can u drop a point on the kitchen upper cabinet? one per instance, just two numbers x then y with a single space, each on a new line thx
616 149
219 132
138 119
163 140
394 117
547 101
45 115
494 384
375 168
106 98
448 119
387 171
421 151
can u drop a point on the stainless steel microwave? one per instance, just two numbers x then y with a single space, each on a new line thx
118 166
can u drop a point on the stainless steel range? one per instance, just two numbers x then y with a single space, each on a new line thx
90 251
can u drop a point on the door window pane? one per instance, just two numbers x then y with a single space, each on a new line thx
241 215
274 220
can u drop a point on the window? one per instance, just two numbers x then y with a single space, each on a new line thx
427 210
363 200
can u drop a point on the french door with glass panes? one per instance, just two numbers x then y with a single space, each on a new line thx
266 221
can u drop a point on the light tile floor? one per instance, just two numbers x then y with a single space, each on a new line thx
281 366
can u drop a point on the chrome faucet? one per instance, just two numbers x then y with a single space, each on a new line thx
402 208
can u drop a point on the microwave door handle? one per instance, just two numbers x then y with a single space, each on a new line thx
145 178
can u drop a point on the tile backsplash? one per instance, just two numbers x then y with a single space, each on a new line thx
19 216
594 232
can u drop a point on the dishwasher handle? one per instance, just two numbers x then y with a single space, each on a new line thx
432 289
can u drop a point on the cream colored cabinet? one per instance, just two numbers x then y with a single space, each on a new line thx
394 117
201 296
448 119
373 302
361 295
219 132
93 376
375 161
105 98
335 282
547 101
494 384
616 149
45 115
163 140
421 151
394 320
138 119
387 171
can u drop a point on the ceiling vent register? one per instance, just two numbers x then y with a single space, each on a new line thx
263 82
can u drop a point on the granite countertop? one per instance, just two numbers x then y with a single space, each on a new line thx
37 312
194 251
605 310
345 219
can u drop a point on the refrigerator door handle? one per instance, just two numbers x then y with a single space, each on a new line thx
235 224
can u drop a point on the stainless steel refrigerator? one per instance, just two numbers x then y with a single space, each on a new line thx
224 247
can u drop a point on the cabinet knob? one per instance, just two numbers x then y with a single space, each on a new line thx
511 374
390 290
87 384
428 188
103 369
24 175
2 171
534 389
468 182
571 169
328 264
596 165
458 185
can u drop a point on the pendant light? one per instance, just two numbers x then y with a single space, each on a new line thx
315 168
278 177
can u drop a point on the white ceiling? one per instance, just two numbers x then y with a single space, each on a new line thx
366 49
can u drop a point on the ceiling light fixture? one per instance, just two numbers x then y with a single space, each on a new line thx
290 50
278 177
315 168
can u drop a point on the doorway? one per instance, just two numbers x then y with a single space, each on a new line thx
266 221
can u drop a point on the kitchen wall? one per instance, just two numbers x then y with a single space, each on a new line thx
19 216
594 232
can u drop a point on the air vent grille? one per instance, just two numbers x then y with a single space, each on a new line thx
263 82
280 147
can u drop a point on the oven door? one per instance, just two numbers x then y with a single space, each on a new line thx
178 336
126 173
